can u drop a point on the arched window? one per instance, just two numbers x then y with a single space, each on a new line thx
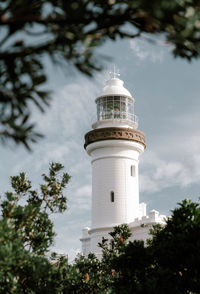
112 196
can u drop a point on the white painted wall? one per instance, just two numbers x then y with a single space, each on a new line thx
111 171
109 123
139 228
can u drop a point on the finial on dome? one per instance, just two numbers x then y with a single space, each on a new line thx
115 73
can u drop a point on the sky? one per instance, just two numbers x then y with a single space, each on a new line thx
167 103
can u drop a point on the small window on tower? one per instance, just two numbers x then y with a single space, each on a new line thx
112 196
132 170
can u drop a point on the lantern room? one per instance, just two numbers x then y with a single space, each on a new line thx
115 106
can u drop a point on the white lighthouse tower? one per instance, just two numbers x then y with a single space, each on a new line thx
115 145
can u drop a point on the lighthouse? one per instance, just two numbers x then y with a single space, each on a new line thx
115 145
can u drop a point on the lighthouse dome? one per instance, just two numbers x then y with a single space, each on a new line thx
114 86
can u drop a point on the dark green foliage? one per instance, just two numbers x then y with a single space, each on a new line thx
170 263
132 267
26 233
117 243
68 32
176 250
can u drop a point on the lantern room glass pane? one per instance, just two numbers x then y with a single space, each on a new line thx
115 107
130 108
123 106
98 110
109 108
117 104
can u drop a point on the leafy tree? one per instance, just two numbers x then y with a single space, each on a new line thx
170 263
176 250
32 32
94 276
26 233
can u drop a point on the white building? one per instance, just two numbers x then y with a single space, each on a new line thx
115 145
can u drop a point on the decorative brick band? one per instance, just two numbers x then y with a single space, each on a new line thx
114 134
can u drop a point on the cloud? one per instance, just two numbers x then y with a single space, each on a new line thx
81 198
144 51
159 174
176 164
84 191
67 239
64 124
